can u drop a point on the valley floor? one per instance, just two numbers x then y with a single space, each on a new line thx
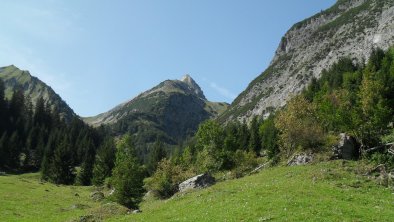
332 191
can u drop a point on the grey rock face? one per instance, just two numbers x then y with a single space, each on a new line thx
351 28
197 182
347 148
300 159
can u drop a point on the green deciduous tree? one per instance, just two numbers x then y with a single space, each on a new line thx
298 126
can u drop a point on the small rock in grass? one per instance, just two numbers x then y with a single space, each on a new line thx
97 196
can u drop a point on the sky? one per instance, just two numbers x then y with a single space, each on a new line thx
98 54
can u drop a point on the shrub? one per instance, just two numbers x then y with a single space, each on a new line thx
298 126
164 182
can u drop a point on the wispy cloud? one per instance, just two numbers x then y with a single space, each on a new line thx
222 91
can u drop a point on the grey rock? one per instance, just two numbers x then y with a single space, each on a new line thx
347 148
97 196
197 182
136 211
313 45
300 159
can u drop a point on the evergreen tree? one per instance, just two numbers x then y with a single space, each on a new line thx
3 150
105 161
14 148
156 155
3 108
85 175
62 169
127 176
269 137
243 136
230 140
254 141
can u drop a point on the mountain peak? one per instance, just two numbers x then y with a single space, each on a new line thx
193 85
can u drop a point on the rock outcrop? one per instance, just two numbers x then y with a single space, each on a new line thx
350 28
347 148
197 182
300 159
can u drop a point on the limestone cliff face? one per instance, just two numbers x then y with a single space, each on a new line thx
350 28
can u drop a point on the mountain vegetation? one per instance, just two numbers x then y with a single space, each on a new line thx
34 90
36 137
169 112
137 154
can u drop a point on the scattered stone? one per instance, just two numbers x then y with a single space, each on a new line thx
112 192
136 211
347 148
383 177
97 196
300 159
197 182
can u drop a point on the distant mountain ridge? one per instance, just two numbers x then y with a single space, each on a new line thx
350 28
170 111
33 89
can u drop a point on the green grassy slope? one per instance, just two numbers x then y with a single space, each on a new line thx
24 198
323 192
333 191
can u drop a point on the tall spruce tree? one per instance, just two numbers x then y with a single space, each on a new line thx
86 172
156 155
254 141
62 167
105 161
127 176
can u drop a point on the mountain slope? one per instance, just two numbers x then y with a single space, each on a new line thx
350 28
34 89
171 111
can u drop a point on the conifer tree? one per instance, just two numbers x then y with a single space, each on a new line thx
105 161
85 175
156 155
254 141
62 170
127 176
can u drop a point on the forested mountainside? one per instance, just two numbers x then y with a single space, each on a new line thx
34 89
169 112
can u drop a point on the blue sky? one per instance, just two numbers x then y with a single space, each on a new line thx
97 54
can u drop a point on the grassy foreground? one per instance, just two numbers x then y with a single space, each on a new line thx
25 198
333 191
323 192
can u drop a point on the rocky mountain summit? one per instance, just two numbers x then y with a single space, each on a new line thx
33 89
170 111
350 28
